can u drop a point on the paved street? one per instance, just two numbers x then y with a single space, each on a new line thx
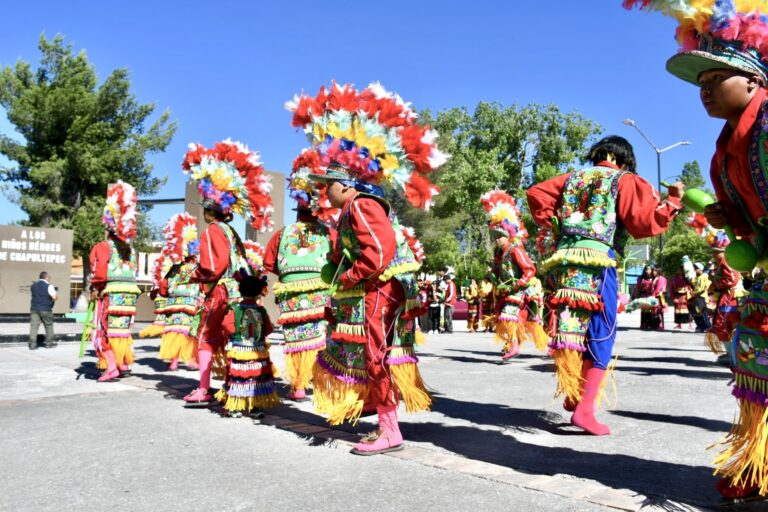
496 439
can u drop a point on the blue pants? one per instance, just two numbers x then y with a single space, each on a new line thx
601 333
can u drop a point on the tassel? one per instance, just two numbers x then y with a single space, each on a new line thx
170 345
339 400
219 364
152 331
609 375
419 338
298 367
412 389
537 335
509 332
713 343
568 370
123 349
743 461
247 403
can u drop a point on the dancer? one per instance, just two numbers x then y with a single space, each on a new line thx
369 140
514 270
727 290
296 254
592 211
681 294
182 248
159 295
644 290
113 283
472 296
249 385
725 54
231 180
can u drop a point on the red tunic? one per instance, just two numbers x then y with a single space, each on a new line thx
374 233
727 315
376 239
99 261
270 254
638 206
733 148
216 320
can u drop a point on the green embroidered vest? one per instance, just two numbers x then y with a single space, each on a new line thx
589 207
302 251
118 269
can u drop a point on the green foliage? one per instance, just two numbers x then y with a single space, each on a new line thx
680 239
509 148
78 136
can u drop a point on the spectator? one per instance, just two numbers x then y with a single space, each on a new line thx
699 299
435 301
41 310
449 303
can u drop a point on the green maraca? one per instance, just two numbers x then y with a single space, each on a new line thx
740 254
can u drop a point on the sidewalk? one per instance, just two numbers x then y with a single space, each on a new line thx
495 439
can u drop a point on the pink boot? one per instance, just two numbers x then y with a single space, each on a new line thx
298 395
387 439
174 365
111 372
514 349
584 415
198 396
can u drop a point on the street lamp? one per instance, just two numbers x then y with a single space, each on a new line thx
659 151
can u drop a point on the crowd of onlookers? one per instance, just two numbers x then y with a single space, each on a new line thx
691 295
441 294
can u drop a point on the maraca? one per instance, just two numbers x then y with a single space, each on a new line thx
740 254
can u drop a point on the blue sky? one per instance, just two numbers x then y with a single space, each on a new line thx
225 68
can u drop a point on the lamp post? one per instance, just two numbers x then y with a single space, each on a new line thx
659 151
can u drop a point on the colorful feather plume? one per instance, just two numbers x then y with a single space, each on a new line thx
741 21
416 248
160 268
254 254
119 215
503 216
374 135
180 233
231 177
311 195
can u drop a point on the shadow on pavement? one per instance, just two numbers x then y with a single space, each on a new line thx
685 361
690 484
693 421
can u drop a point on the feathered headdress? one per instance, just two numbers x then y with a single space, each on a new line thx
119 214
717 239
231 178
254 254
698 222
416 248
160 268
180 234
503 216
312 196
371 139
715 34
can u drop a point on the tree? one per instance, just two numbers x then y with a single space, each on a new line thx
509 148
78 136
680 239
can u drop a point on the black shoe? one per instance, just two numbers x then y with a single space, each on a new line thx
32 347
50 345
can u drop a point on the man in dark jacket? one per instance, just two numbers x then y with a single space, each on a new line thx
41 310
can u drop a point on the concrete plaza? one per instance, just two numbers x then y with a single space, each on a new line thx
495 439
